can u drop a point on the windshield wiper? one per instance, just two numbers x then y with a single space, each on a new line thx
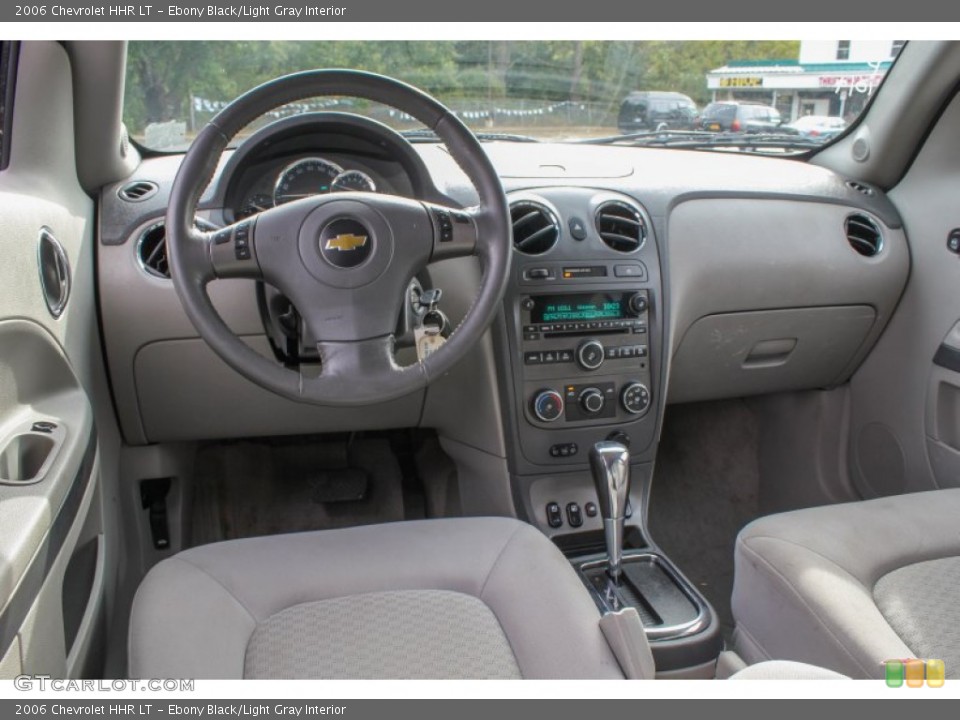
648 137
705 139
425 135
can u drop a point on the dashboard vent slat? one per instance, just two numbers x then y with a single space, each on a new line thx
535 227
864 235
152 248
138 191
620 226
860 187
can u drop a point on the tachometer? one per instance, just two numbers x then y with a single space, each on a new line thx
254 204
303 178
355 180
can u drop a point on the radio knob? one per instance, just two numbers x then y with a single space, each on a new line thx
635 398
548 405
638 303
591 400
590 354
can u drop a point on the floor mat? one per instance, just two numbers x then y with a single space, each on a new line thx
705 489
252 488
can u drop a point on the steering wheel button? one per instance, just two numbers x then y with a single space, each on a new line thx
221 237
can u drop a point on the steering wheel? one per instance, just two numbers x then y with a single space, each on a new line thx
344 260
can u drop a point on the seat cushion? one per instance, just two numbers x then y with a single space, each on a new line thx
838 586
465 597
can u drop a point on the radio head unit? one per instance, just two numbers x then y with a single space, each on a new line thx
583 312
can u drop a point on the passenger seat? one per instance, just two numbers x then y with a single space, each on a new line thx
849 586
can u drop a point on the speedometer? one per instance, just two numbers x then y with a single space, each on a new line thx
303 178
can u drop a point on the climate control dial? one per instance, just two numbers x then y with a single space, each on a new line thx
635 398
548 405
591 400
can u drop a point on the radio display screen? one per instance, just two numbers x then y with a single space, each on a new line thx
578 308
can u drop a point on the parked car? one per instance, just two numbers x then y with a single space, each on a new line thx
729 116
657 111
819 127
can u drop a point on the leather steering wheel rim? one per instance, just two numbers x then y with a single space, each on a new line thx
354 371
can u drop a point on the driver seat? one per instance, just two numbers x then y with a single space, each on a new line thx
453 598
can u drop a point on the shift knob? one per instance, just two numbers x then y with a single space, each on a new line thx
610 464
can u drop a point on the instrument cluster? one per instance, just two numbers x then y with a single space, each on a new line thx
304 177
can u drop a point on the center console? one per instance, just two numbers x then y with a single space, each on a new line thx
582 354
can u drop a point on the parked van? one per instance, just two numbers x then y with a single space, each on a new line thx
657 111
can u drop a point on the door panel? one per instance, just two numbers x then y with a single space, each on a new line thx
50 500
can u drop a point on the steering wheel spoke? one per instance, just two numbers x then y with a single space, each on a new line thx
455 231
233 252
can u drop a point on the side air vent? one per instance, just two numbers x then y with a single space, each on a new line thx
138 191
152 248
535 228
863 235
620 226
860 188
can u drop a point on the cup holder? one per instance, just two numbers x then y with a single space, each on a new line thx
25 457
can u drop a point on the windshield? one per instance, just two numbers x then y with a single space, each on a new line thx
603 91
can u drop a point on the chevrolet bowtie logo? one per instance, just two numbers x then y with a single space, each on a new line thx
346 242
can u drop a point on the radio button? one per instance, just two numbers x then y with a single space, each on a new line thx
532 358
530 328
528 336
549 357
590 354
565 356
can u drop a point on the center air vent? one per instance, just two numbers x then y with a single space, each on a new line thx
863 235
620 226
535 228
138 191
152 248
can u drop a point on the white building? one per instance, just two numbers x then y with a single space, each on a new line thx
835 77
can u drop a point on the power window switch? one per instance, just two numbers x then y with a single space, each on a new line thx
554 515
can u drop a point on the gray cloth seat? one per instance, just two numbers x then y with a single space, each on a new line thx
849 586
459 598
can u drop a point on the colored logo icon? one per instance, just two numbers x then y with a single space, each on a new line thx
913 672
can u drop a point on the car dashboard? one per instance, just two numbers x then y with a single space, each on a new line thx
640 277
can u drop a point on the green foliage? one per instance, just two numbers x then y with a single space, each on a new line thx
163 75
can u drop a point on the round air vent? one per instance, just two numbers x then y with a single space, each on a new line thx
535 228
863 234
138 191
620 226
152 248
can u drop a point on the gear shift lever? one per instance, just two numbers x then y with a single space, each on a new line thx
610 464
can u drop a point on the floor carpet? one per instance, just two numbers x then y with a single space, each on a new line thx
705 489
